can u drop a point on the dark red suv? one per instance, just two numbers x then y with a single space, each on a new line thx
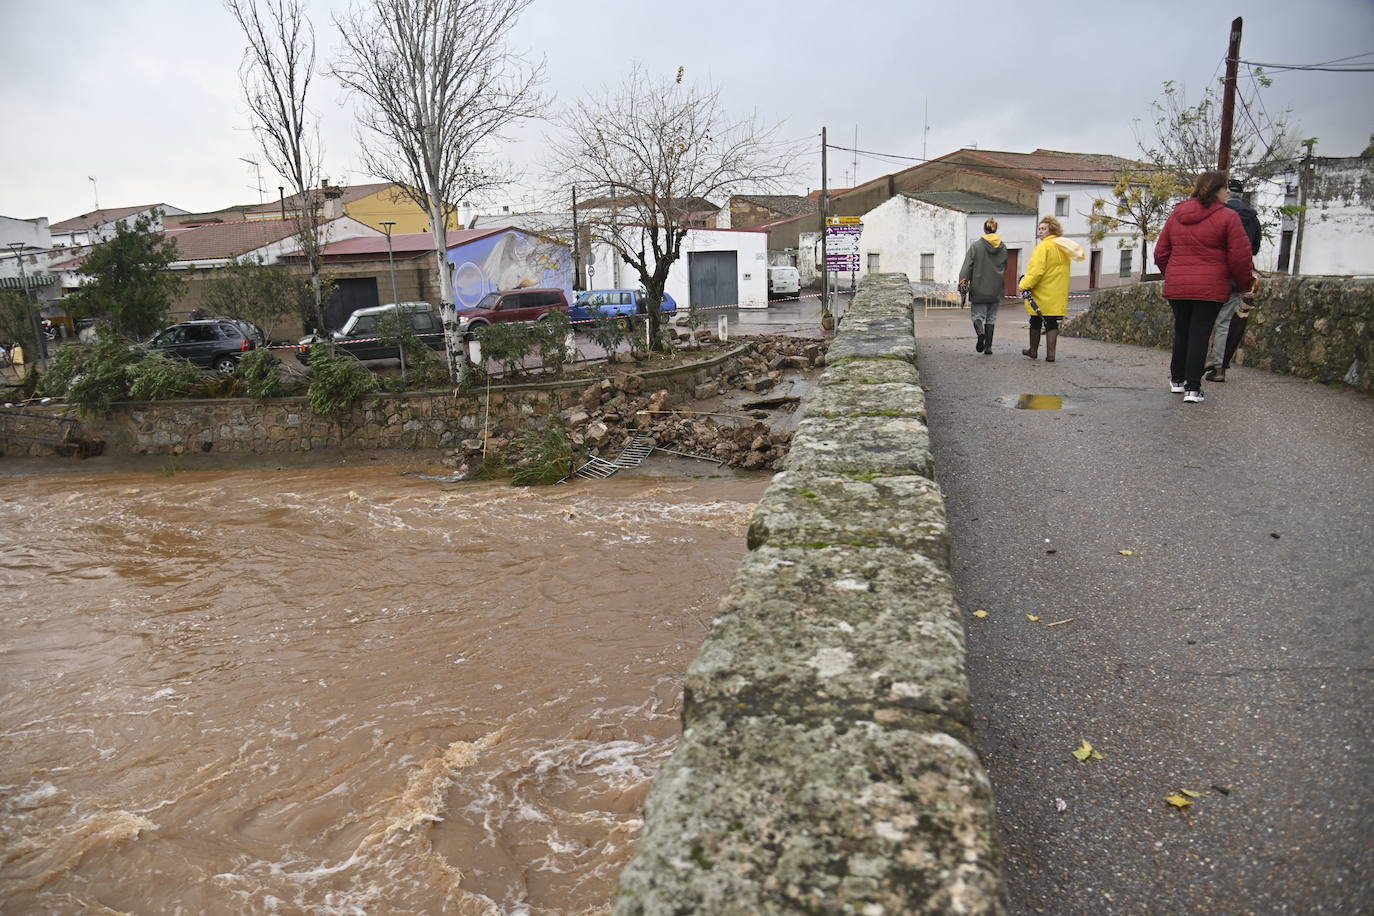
512 305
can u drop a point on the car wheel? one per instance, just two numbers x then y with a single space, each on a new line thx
226 365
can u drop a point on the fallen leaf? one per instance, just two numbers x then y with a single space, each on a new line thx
1051 551
1190 793
1086 751
1126 553
1178 801
1032 618
1222 789
980 614
1061 805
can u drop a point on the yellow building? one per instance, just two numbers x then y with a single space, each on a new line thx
370 204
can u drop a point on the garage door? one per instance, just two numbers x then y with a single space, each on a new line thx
350 294
713 278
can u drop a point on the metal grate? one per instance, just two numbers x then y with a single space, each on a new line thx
632 456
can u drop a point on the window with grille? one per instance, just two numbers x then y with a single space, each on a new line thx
1127 254
927 267
873 262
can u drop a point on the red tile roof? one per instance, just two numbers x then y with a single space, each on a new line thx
229 240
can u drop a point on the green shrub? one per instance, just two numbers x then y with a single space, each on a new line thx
340 382
608 333
261 378
545 457
551 339
91 376
158 377
508 343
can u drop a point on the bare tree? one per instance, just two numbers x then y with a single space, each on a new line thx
440 84
1187 138
277 67
652 151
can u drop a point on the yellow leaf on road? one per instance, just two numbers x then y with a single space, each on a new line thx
1190 793
1126 553
1086 751
980 614
1178 801
1032 618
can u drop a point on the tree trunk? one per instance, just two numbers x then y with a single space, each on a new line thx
454 346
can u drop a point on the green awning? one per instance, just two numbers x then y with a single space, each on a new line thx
28 281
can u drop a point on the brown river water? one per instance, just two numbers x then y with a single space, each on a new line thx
343 690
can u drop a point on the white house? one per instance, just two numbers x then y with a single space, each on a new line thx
1333 232
925 234
717 268
99 225
1048 182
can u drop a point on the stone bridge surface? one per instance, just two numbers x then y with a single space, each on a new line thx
1187 588
1229 653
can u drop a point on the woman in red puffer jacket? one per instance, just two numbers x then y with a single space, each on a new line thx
1204 254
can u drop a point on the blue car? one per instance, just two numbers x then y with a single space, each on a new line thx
622 303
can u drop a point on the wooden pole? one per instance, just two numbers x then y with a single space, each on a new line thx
1228 97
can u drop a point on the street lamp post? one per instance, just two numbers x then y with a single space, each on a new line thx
391 266
40 350
390 261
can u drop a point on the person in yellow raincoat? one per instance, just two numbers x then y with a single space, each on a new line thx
1045 285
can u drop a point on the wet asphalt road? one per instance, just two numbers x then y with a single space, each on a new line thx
1229 654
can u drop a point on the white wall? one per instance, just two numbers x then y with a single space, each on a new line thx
901 229
751 248
1338 234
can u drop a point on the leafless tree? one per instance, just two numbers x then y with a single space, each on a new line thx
647 154
1187 138
440 83
278 64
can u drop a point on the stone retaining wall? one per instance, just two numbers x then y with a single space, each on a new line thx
826 761
1319 328
413 420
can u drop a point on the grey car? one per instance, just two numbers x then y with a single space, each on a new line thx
211 343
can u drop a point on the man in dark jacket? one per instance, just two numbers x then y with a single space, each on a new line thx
983 277
1237 307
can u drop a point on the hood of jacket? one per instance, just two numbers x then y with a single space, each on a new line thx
993 241
1193 211
1070 247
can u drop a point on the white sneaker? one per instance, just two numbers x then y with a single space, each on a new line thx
1176 387
1192 397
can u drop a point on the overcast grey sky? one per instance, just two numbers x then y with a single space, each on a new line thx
144 94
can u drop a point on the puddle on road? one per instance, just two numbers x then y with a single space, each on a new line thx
1035 402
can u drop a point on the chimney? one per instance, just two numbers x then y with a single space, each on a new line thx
333 202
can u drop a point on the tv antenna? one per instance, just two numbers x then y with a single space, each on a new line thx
257 170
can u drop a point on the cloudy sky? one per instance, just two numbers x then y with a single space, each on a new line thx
144 97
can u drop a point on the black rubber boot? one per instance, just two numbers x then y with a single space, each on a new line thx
987 338
978 329
1051 341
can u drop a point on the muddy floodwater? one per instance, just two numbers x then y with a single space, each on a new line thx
342 690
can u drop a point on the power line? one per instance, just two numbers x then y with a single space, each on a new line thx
1276 67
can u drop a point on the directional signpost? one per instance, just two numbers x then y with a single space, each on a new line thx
842 243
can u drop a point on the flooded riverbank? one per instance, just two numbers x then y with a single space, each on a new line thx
342 689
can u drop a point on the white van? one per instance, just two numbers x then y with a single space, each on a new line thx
783 282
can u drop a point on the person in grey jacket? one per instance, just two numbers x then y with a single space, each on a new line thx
983 278
1219 356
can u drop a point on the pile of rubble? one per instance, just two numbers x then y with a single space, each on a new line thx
613 409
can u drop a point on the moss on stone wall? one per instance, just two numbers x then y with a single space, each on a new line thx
1319 328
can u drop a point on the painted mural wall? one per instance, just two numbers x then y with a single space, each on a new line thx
509 260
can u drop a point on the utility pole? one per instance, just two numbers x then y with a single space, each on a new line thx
827 318
577 248
1228 96
1304 173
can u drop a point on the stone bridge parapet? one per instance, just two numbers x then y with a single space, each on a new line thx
826 761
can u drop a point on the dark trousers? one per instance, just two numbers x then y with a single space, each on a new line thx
1233 338
1193 320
